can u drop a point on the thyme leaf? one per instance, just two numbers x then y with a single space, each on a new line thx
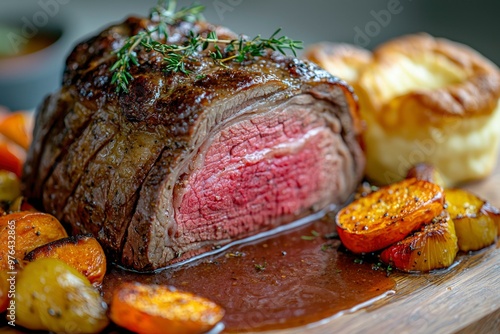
313 236
260 266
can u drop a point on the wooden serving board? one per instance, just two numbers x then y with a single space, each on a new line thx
464 299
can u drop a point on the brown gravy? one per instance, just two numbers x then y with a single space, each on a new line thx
287 280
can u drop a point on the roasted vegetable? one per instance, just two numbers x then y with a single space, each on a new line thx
426 172
432 247
51 295
388 215
10 186
4 291
17 205
16 126
20 204
15 129
476 221
21 232
496 217
159 309
82 252
11 158
10 330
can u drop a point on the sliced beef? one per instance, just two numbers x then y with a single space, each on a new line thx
185 163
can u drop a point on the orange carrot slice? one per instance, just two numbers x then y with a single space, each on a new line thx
388 215
159 309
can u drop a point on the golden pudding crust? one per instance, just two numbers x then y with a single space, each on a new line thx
431 100
343 60
423 99
473 88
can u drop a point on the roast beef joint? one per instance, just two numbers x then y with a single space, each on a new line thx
184 163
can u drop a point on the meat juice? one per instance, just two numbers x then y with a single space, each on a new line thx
287 280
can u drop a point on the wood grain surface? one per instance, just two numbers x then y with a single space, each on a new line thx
464 299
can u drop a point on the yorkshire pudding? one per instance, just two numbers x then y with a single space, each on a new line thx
345 60
426 99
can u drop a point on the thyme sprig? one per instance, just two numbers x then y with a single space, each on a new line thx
176 56
165 13
162 15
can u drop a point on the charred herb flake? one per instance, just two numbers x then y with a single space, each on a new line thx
332 235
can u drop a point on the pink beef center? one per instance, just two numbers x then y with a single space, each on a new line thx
258 173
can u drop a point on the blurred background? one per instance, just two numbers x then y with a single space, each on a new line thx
37 35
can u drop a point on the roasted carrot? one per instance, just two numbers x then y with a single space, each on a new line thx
16 126
160 309
388 215
21 232
82 252
11 159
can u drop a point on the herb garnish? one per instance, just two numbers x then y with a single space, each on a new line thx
313 236
326 247
261 267
176 56
235 254
380 266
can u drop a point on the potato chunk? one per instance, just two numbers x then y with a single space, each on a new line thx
10 186
53 296
476 221
159 309
388 215
432 247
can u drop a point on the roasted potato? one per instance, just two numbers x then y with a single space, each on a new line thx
476 221
10 186
388 215
151 309
426 172
494 212
4 291
82 252
21 232
52 296
434 246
